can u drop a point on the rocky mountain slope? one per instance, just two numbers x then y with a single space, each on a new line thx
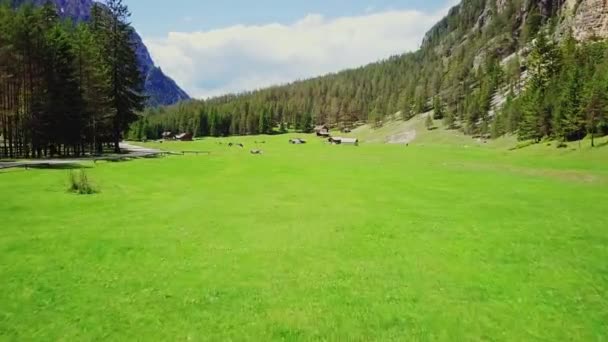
160 88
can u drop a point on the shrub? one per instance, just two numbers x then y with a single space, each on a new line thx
80 183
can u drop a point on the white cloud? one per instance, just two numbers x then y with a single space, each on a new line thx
239 58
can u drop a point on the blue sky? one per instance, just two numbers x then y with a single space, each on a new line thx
216 47
157 17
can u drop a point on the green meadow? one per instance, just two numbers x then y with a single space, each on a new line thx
429 242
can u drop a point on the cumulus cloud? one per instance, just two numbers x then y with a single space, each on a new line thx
240 57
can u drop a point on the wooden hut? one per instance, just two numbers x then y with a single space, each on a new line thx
184 137
321 128
350 141
322 131
343 141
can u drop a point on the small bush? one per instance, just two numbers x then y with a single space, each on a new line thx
562 145
80 183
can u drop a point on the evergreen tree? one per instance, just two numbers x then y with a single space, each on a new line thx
595 103
438 112
64 99
429 122
264 122
449 120
567 120
94 82
307 124
126 83
375 117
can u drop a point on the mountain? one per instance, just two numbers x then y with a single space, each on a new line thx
490 67
160 88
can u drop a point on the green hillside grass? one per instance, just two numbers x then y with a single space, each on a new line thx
311 242
394 126
443 136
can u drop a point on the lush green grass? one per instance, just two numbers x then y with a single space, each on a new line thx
426 242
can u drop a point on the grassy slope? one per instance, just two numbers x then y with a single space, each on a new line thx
307 242
440 136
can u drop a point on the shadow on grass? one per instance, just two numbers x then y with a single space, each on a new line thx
74 166
152 156
117 160
70 166
604 144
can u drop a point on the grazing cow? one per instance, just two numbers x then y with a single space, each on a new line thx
240 145
256 151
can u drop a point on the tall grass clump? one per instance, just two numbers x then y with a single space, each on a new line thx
80 183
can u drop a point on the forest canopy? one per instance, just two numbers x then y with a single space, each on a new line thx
67 89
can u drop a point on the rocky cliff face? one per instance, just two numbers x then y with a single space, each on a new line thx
473 18
590 19
586 18
160 88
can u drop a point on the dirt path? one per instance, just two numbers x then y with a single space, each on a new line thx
402 138
132 151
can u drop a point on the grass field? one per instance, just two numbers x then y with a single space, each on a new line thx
312 242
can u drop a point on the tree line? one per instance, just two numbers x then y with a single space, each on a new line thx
460 68
566 92
67 89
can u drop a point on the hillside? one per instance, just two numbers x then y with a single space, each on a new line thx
471 64
160 88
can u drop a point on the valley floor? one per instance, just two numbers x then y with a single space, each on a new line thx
377 242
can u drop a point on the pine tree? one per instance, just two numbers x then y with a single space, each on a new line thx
375 117
126 83
429 122
544 64
307 123
595 103
420 105
264 122
567 121
528 126
65 103
94 82
438 110
449 120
